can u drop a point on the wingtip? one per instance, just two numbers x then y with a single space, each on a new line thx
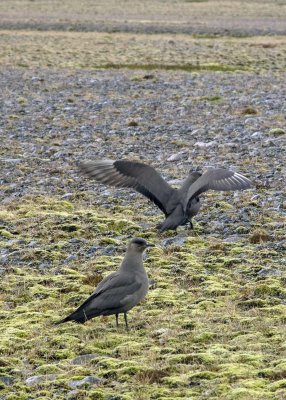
247 183
82 165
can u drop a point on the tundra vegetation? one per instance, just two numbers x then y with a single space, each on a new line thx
181 85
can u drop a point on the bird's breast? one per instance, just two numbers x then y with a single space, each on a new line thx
194 207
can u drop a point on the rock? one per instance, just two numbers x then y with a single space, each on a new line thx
75 240
44 265
161 332
90 252
37 379
177 156
67 195
73 394
108 250
202 145
232 239
33 243
11 160
7 380
270 272
178 240
256 135
84 359
88 380
70 259
198 132
250 121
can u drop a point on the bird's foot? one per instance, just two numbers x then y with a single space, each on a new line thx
189 224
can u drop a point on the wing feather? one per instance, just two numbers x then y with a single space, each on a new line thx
217 179
141 177
110 293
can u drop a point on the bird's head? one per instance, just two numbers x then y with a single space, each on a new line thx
139 244
195 174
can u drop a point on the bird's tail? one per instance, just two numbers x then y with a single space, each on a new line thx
171 224
173 220
78 317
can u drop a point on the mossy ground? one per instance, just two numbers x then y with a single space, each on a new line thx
212 327
213 323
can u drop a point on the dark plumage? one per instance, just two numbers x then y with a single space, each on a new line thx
118 292
178 205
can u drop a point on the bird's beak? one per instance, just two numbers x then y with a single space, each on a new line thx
150 245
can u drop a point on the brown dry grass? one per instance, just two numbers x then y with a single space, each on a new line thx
94 49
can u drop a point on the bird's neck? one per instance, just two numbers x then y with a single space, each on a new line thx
132 261
187 183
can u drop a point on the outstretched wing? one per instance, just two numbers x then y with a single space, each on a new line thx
217 179
141 177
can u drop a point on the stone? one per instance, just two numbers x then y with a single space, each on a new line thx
37 379
84 359
7 380
202 145
70 259
270 272
257 135
88 380
178 240
250 120
67 195
177 156
108 250
90 252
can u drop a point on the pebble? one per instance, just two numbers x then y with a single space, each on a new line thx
178 240
88 380
270 272
256 135
91 251
206 144
178 156
11 160
251 121
7 380
67 195
84 358
108 250
36 379
70 258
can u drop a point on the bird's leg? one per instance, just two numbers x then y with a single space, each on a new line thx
126 323
116 317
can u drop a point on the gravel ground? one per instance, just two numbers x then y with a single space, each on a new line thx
49 119
174 121
203 17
